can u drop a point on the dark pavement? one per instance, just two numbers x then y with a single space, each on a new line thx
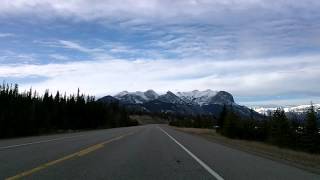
142 152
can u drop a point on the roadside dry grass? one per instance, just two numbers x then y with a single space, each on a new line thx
310 162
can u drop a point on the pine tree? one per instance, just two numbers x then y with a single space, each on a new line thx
231 124
23 114
280 130
57 97
310 135
221 118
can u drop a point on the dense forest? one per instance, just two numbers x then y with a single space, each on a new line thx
27 113
276 129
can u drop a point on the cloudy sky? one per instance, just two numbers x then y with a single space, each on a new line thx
262 51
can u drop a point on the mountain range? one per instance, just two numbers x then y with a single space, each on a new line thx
288 109
194 102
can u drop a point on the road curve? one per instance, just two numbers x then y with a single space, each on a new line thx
142 152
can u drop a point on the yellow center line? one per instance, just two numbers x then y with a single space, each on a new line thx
73 155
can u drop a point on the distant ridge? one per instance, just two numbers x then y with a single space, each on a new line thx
190 102
295 109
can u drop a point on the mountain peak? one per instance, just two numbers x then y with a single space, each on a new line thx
197 97
151 94
137 97
122 93
222 97
170 93
194 97
191 102
170 97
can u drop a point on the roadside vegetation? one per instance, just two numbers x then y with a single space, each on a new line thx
299 159
148 119
277 129
27 113
195 121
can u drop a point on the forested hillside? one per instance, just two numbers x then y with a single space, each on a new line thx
27 113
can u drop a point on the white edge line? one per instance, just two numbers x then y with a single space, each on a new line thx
38 142
204 165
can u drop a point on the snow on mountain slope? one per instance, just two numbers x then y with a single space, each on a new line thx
193 102
170 97
197 97
264 110
137 97
151 94
296 109
301 108
121 94
194 97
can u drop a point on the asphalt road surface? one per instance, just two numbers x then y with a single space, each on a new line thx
142 152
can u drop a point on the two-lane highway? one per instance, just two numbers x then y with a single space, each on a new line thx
142 152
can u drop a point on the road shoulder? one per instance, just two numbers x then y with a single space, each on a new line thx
302 160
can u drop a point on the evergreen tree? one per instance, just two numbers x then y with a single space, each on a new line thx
23 114
310 133
221 118
231 124
280 130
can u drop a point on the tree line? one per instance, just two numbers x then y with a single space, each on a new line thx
194 121
277 129
27 113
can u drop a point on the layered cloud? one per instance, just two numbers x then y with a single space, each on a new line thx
242 77
143 10
252 48
217 28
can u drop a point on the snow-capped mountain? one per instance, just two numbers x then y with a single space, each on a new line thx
191 102
137 97
294 109
151 94
206 97
197 97
301 108
264 110
170 97
222 97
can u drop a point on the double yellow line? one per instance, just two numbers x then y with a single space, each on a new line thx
77 154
